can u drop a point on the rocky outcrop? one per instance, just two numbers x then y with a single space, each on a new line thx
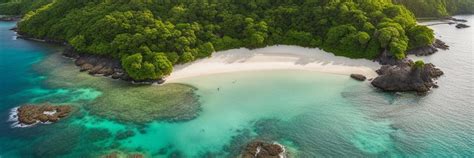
261 149
358 77
440 44
10 18
93 64
121 154
387 58
32 114
429 49
462 26
405 76
456 19
105 66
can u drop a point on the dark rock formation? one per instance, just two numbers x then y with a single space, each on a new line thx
387 58
124 134
98 65
358 77
429 49
120 154
462 26
31 114
440 45
10 18
260 149
456 19
93 64
405 76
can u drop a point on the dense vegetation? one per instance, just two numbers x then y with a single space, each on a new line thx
149 36
18 7
438 8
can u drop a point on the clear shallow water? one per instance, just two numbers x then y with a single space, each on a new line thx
312 114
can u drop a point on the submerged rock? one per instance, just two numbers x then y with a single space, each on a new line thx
124 134
358 77
120 154
462 26
261 149
32 114
139 105
405 76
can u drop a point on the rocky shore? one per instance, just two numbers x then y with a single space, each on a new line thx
407 76
404 75
9 18
456 19
105 66
46 113
429 49
93 64
261 149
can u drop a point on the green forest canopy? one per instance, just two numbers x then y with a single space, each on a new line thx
438 8
149 36
18 7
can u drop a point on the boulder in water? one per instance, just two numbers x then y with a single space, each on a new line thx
119 154
31 114
261 149
462 26
358 77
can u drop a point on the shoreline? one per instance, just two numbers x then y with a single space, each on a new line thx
282 57
278 57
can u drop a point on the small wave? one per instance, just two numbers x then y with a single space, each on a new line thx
13 117
14 38
282 154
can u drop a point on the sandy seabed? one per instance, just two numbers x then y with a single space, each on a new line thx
281 57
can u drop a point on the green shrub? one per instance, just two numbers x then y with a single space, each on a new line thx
419 64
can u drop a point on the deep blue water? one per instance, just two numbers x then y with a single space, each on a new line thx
16 59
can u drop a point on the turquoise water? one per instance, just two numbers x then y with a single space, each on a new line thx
312 114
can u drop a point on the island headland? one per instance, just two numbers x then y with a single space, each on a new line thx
144 48
393 75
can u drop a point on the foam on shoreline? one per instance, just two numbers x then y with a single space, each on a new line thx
13 117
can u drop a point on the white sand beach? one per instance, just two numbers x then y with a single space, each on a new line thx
280 57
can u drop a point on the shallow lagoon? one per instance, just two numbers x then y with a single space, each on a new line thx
313 114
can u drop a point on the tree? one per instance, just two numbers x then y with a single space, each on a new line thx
79 43
205 50
162 65
363 38
420 36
